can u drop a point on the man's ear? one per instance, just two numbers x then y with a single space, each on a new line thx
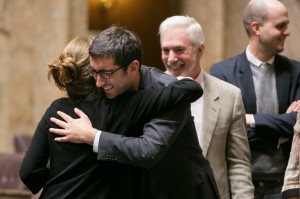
134 66
201 49
255 27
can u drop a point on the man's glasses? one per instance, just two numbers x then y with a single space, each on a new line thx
103 73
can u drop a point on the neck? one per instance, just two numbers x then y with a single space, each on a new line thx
196 73
136 83
260 53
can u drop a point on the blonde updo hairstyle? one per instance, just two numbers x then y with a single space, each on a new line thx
70 70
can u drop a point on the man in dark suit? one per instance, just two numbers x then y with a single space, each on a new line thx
269 83
167 147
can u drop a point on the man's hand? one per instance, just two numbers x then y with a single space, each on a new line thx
249 120
74 130
183 77
293 107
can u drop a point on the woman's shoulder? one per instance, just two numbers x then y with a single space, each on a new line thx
64 101
63 104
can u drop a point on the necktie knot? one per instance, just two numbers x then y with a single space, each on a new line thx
265 65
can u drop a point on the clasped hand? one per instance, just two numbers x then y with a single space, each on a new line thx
74 130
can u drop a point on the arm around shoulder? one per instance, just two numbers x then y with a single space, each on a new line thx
147 149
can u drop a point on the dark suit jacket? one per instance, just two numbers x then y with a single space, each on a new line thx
268 128
74 169
169 149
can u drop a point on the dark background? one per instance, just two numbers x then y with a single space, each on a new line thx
140 16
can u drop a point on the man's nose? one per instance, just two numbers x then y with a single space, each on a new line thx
100 81
172 57
287 32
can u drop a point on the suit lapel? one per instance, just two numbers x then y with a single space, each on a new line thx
247 85
211 110
282 83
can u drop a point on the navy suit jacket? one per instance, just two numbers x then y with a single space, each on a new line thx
268 128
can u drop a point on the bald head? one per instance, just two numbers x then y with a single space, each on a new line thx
258 11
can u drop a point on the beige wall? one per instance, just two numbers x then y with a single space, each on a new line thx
32 32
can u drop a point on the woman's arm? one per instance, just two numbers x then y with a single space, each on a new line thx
33 171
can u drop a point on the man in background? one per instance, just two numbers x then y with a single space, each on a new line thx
269 83
219 114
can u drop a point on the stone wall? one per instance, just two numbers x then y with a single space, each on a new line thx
33 32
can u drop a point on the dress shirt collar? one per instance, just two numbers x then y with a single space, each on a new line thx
254 61
200 78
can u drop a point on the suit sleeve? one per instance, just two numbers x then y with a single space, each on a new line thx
280 125
238 153
185 91
147 149
161 98
140 106
291 186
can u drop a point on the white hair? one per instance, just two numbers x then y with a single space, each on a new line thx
192 26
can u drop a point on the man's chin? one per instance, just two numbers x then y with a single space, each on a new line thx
178 67
109 96
281 49
176 73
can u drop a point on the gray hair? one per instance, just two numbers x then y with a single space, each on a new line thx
192 26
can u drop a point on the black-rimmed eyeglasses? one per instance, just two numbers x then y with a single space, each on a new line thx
103 73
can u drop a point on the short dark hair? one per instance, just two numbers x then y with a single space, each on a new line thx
118 43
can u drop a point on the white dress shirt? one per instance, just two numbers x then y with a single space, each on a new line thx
197 106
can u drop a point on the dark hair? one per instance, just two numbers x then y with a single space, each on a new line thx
118 43
70 69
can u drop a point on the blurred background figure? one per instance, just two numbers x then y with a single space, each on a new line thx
218 114
269 83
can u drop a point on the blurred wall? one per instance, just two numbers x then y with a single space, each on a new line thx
34 32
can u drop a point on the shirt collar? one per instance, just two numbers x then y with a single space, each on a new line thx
200 78
254 61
